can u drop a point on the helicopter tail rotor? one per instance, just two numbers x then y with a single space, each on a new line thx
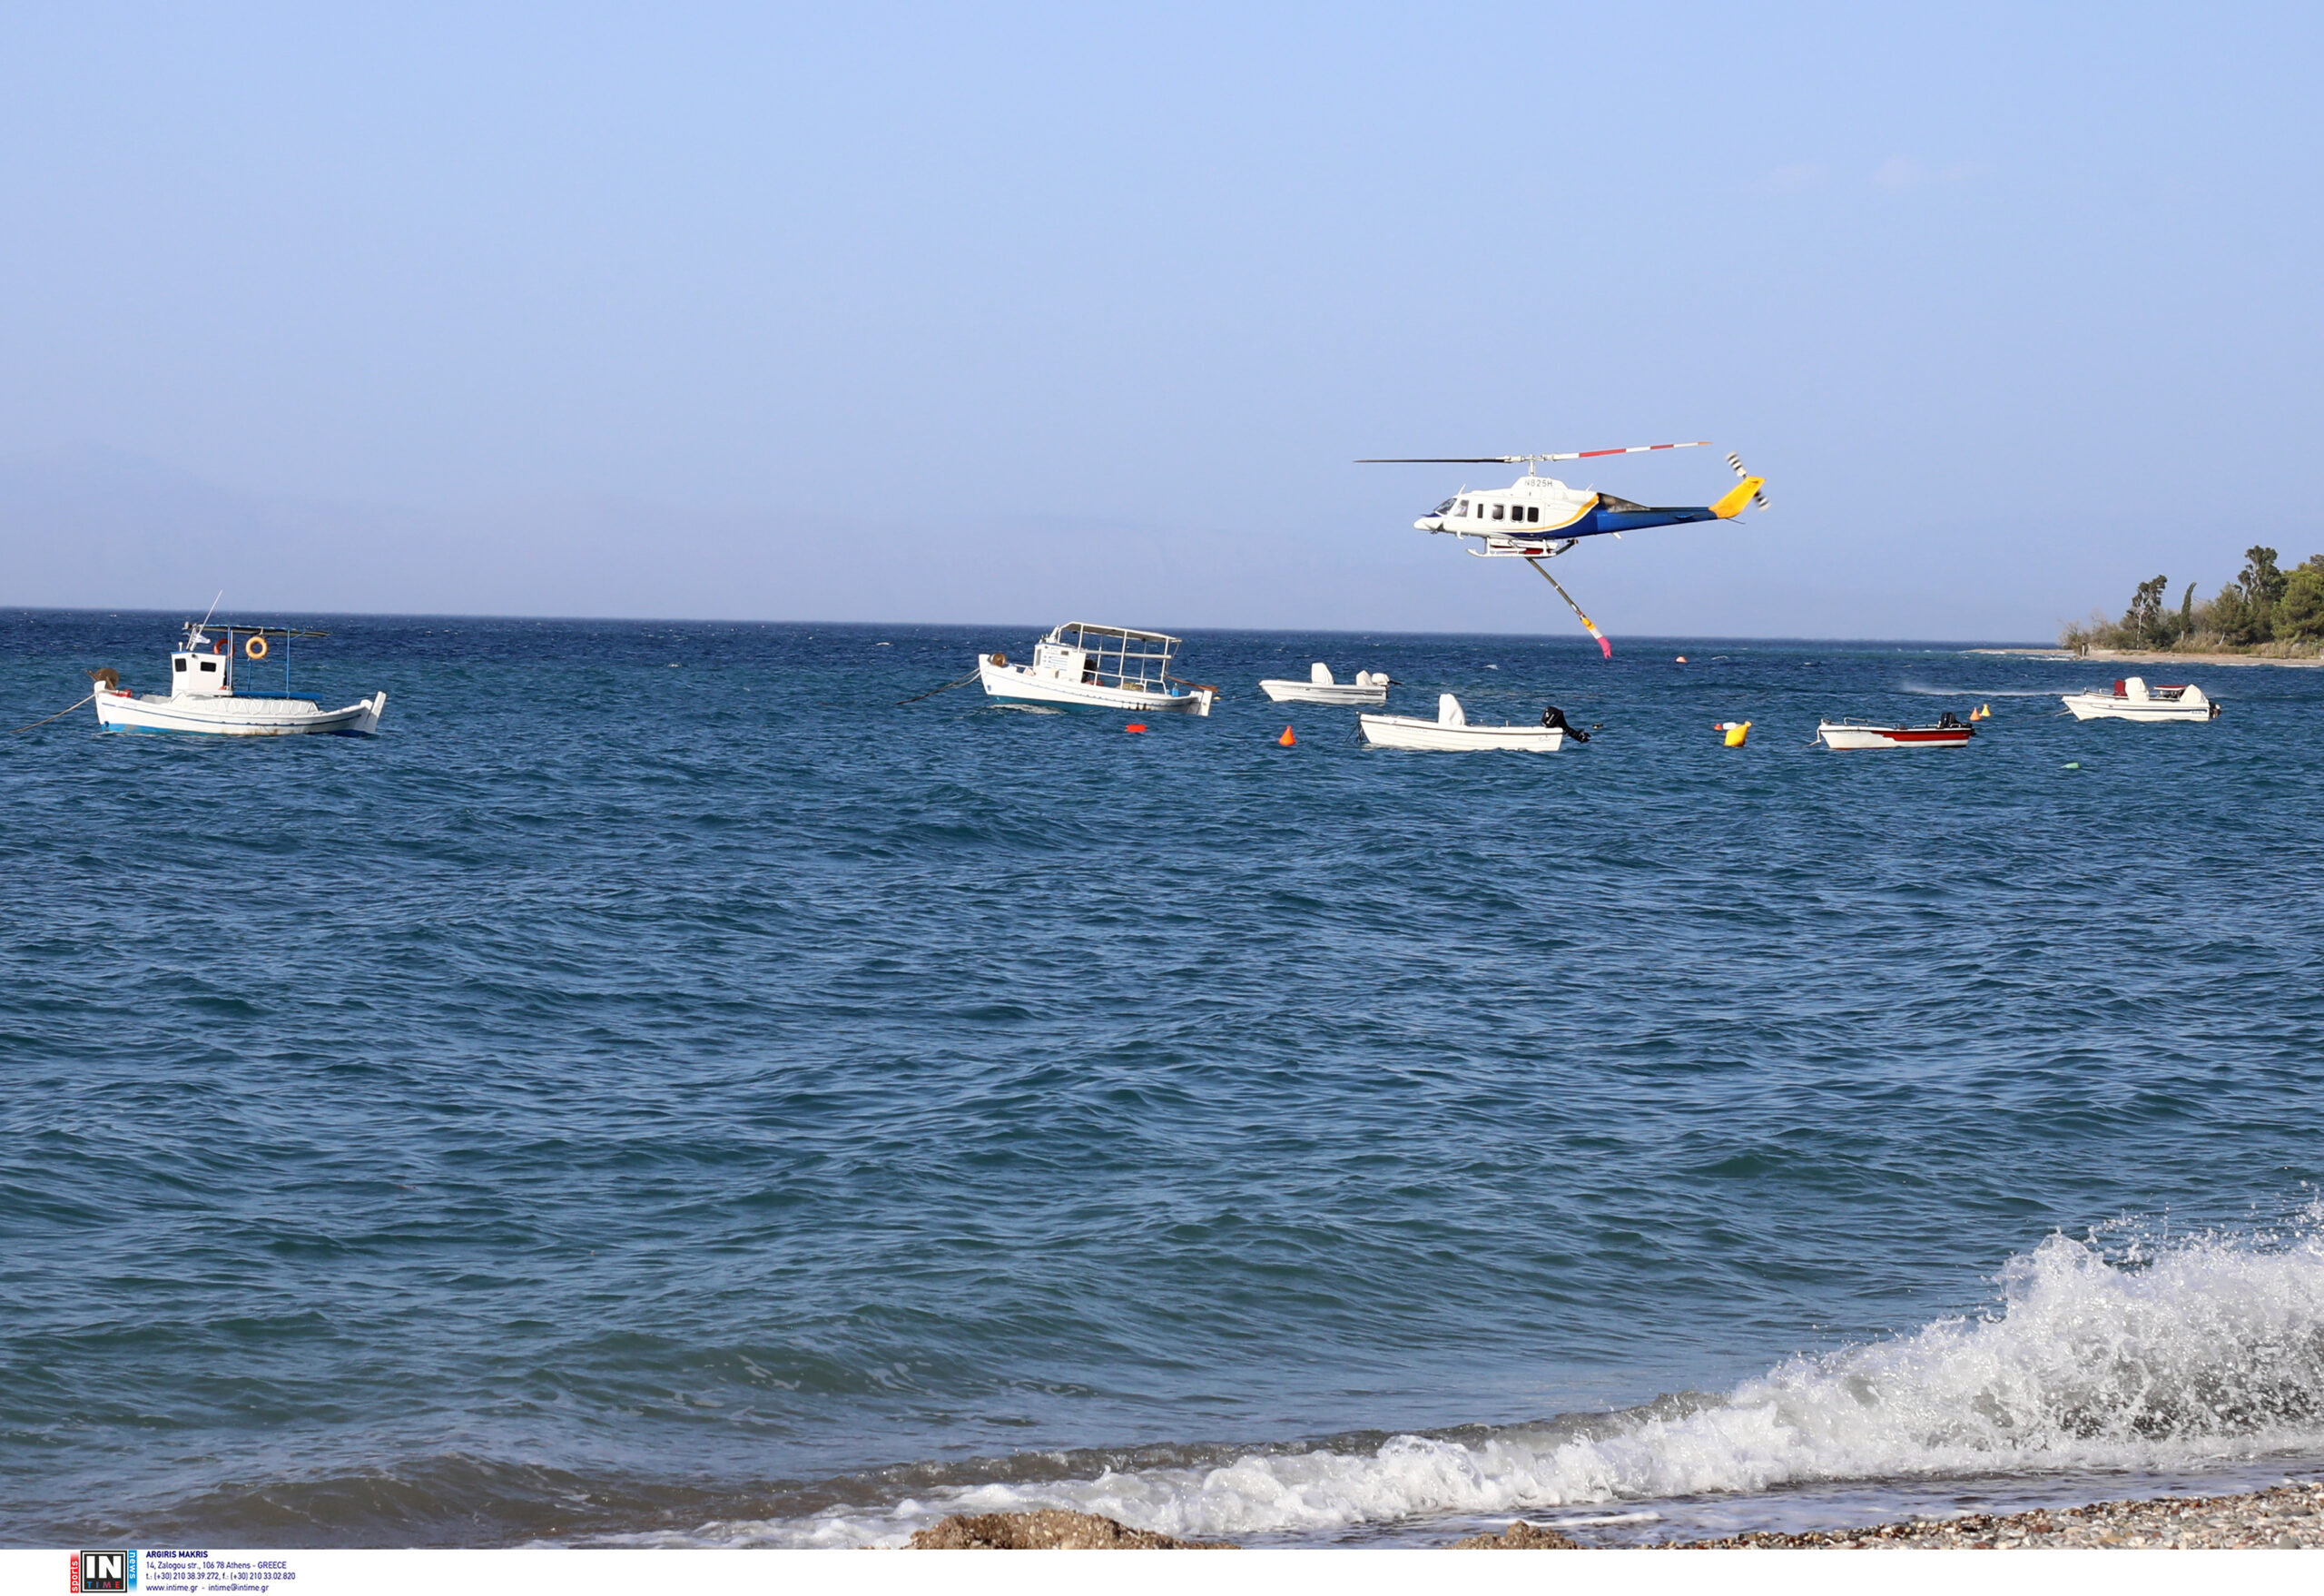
1758 497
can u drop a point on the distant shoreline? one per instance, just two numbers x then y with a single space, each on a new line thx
2147 657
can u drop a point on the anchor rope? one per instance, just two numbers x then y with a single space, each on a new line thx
59 716
933 692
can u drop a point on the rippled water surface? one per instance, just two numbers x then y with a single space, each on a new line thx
662 1089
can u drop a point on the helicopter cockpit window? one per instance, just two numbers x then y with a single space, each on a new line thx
1440 509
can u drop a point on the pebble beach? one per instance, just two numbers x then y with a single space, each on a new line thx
2286 1517
2289 1517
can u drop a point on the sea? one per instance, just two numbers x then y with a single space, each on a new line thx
666 1089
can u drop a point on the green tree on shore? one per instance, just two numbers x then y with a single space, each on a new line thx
2299 613
2265 605
2145 619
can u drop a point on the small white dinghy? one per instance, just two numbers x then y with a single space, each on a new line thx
1451 730
1319 688
2133 700
1949 731
1096 667
203 697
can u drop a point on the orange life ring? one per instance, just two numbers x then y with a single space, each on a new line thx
254 648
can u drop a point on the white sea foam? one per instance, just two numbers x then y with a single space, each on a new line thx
1924 690
2202 1353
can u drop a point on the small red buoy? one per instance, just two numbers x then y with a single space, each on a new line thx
1287 740
1135 726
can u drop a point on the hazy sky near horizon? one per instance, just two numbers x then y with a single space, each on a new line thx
955 314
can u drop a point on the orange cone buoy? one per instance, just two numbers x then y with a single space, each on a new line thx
1287 740
1135 726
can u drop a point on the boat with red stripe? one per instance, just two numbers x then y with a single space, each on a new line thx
1950 730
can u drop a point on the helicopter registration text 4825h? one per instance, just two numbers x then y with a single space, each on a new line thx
1539 518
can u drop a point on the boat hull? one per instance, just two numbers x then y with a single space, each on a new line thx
1397 730
2104 706
1846 738
1283 692
1016 684
233 716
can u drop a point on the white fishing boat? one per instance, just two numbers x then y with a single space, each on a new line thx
202 696
2133 700
1451 730
1319 688
1950 730
1096 667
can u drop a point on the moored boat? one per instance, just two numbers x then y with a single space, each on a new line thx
1451 731
1950 730
2132 700
203 697
1096 667
1319 687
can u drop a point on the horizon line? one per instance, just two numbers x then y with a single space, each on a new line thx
1577 638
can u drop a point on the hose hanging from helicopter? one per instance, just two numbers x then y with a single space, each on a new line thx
1605 643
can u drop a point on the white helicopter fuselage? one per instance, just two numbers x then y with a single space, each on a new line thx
1536 516
1528 508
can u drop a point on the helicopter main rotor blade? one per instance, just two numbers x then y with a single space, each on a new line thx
1586 454
1641 448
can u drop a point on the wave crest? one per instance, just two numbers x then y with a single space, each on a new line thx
2201 1351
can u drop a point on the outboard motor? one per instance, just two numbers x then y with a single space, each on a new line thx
1554 717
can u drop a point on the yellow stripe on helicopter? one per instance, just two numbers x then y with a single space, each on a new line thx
1727 508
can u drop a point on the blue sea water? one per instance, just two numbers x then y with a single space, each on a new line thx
664 1090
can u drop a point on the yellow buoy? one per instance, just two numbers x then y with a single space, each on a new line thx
1735 731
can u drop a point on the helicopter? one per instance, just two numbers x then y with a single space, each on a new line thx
1539 518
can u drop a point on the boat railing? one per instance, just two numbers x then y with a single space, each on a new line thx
1128 658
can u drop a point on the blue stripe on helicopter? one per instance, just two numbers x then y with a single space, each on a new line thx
1598 521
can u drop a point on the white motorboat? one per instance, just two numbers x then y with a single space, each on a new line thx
202 696
1319 688
1451 730
1949 731
2133 700
1096 667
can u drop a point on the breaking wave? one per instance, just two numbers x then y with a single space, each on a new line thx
2199 1353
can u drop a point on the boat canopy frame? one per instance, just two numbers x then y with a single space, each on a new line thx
198 632
1123 653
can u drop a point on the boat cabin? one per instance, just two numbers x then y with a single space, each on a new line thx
203 668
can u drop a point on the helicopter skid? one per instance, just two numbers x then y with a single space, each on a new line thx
1539 550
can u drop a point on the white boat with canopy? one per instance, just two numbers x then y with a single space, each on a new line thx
1096 667
2133 700
1451 730
202 696
1319 687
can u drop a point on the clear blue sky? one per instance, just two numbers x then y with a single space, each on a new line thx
891 312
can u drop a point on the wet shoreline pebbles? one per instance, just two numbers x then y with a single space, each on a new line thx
2284 1517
